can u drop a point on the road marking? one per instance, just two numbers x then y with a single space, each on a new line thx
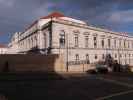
113 95
116 82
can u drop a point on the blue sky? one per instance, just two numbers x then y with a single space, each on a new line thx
115 15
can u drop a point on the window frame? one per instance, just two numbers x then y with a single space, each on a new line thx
62 39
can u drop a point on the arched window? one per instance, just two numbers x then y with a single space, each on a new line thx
62 39
87 59
77 57
87 56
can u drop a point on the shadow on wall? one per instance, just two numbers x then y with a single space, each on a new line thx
21 76
5 67
27 63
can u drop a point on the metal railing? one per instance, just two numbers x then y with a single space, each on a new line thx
78 62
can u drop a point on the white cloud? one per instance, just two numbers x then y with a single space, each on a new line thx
121 16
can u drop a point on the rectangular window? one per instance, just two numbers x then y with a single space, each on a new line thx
109 43
132 44
120 43
115 55
128 44
120 55
102 42
103 57
76 40
62 39
115 43
95 42
124 44
86 41
96 57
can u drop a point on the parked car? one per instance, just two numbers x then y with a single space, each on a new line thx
125 68
103 69
98 68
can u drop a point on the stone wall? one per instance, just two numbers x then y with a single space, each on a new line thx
37 62
79 68
31 62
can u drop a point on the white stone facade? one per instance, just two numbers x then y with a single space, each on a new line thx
14 44
93 43
3 50
75 40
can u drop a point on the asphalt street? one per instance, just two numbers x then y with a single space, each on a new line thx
88 87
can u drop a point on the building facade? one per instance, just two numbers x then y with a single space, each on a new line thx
74 40
14 44
3 49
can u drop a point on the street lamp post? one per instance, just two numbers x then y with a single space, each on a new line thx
67 52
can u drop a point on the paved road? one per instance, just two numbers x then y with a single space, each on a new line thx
121 79
124 96
90 87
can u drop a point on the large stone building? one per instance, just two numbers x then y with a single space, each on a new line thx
73 40
3 49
